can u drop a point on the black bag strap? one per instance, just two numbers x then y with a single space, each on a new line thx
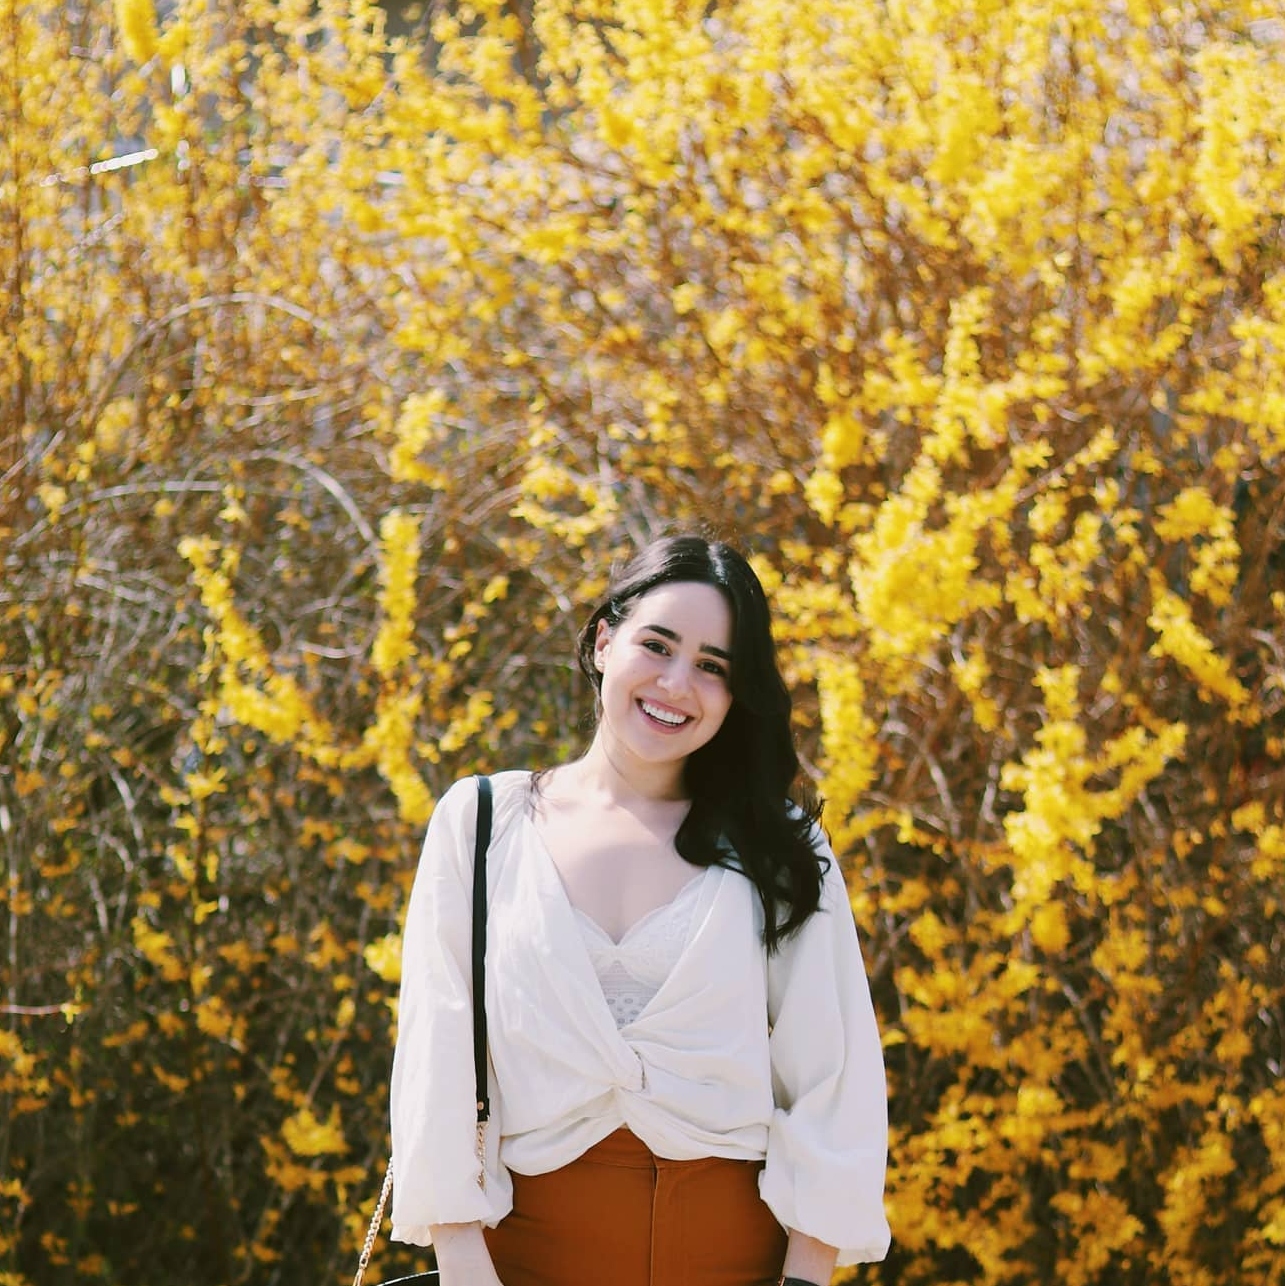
481 844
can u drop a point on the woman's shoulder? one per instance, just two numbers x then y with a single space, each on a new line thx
510 781
504 784
509 792
452 829
512 790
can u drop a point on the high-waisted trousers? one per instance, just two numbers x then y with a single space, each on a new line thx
621 1216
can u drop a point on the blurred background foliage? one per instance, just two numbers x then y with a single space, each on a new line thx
341 358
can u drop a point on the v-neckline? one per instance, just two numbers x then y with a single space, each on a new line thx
578 911
643 920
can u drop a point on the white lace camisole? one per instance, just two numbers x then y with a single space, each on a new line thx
633 970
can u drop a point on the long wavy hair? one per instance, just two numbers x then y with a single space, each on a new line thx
743 781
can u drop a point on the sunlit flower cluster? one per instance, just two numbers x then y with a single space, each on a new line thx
394 644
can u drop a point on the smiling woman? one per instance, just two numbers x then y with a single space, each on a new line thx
685 1068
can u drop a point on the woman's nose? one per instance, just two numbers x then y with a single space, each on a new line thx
676 678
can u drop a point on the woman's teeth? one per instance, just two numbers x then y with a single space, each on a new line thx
663 716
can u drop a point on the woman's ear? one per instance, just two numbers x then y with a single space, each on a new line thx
601 645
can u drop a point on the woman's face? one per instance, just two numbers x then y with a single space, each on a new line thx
666 673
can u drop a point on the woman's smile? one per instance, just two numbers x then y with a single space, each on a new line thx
670 718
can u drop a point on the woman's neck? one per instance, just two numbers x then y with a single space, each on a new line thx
625 783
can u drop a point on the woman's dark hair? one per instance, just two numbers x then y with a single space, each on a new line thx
742 781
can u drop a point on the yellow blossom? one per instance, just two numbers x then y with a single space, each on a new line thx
384 957
418 428
307 1136
1178 637
136 20
394 645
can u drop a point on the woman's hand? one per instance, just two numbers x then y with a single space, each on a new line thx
462 1256
808 1258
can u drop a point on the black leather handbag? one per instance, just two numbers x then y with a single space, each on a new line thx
481 844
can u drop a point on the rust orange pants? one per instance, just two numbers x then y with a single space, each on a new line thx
620 1216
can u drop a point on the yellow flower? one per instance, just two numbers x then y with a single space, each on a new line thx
53 498
849 737
136 20
384 957
1049 929
201 785
157 947
306 1136
394 645
1178 637
418 428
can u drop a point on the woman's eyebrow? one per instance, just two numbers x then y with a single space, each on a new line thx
675 637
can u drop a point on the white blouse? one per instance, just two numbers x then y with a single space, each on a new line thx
736 1054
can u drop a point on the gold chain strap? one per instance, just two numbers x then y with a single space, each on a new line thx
373 1231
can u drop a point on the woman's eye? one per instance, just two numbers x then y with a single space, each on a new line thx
713 667
655 645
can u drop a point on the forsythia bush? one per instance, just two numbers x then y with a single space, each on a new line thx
338 367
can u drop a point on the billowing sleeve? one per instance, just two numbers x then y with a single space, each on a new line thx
433 1104
828 1142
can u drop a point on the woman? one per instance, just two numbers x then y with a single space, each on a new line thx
686 1080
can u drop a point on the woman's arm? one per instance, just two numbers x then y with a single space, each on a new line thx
433 1098
462 1255
809 1259
828 1139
